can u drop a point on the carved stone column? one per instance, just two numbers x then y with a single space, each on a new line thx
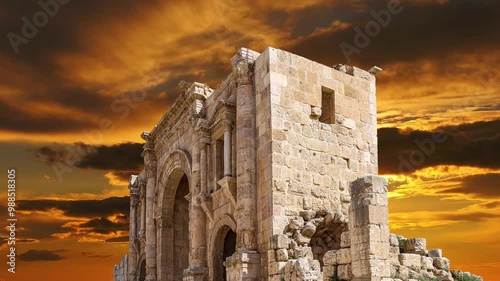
198 270
203 166
164 231
228 126
150 167
245 263
142 229
132 254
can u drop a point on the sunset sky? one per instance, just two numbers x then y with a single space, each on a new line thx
75 97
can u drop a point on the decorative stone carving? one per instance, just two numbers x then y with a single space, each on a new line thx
244 73
199 253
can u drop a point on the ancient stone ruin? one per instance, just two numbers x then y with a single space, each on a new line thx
271 176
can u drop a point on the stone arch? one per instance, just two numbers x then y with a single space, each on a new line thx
220 230
173 173
170 173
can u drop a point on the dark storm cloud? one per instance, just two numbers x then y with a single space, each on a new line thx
419 31
40 255
125 157
64 154
44 229
485 185
476 144
80 208
104 226
5 239
20 119
62 31
95 256
42 79
118 239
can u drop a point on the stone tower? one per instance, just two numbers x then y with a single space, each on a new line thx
271 176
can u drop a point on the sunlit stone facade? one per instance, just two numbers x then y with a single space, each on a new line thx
271 176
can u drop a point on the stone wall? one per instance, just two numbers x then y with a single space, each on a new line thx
313 162
121 269
307 164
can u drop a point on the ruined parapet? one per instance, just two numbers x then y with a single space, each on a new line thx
410 259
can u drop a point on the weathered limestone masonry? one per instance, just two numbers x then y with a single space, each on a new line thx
271 176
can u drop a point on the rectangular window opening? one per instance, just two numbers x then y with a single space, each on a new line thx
327 106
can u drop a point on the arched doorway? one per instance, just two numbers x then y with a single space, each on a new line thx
142 271
181 229
224 247
229 249
173 247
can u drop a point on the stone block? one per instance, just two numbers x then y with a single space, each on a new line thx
394 250
393 240
308 215
277 268
435 253
343 256
290 266
394 259
303 252
416 245
344 272
281 255
412 261
427 263
330 258
345 239
301 239
307 203
296 223
318 221
441 263
309 229
302 264
280 241
315 265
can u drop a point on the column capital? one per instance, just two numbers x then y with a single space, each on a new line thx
243 64
134 190
243 72
228 124
203 130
